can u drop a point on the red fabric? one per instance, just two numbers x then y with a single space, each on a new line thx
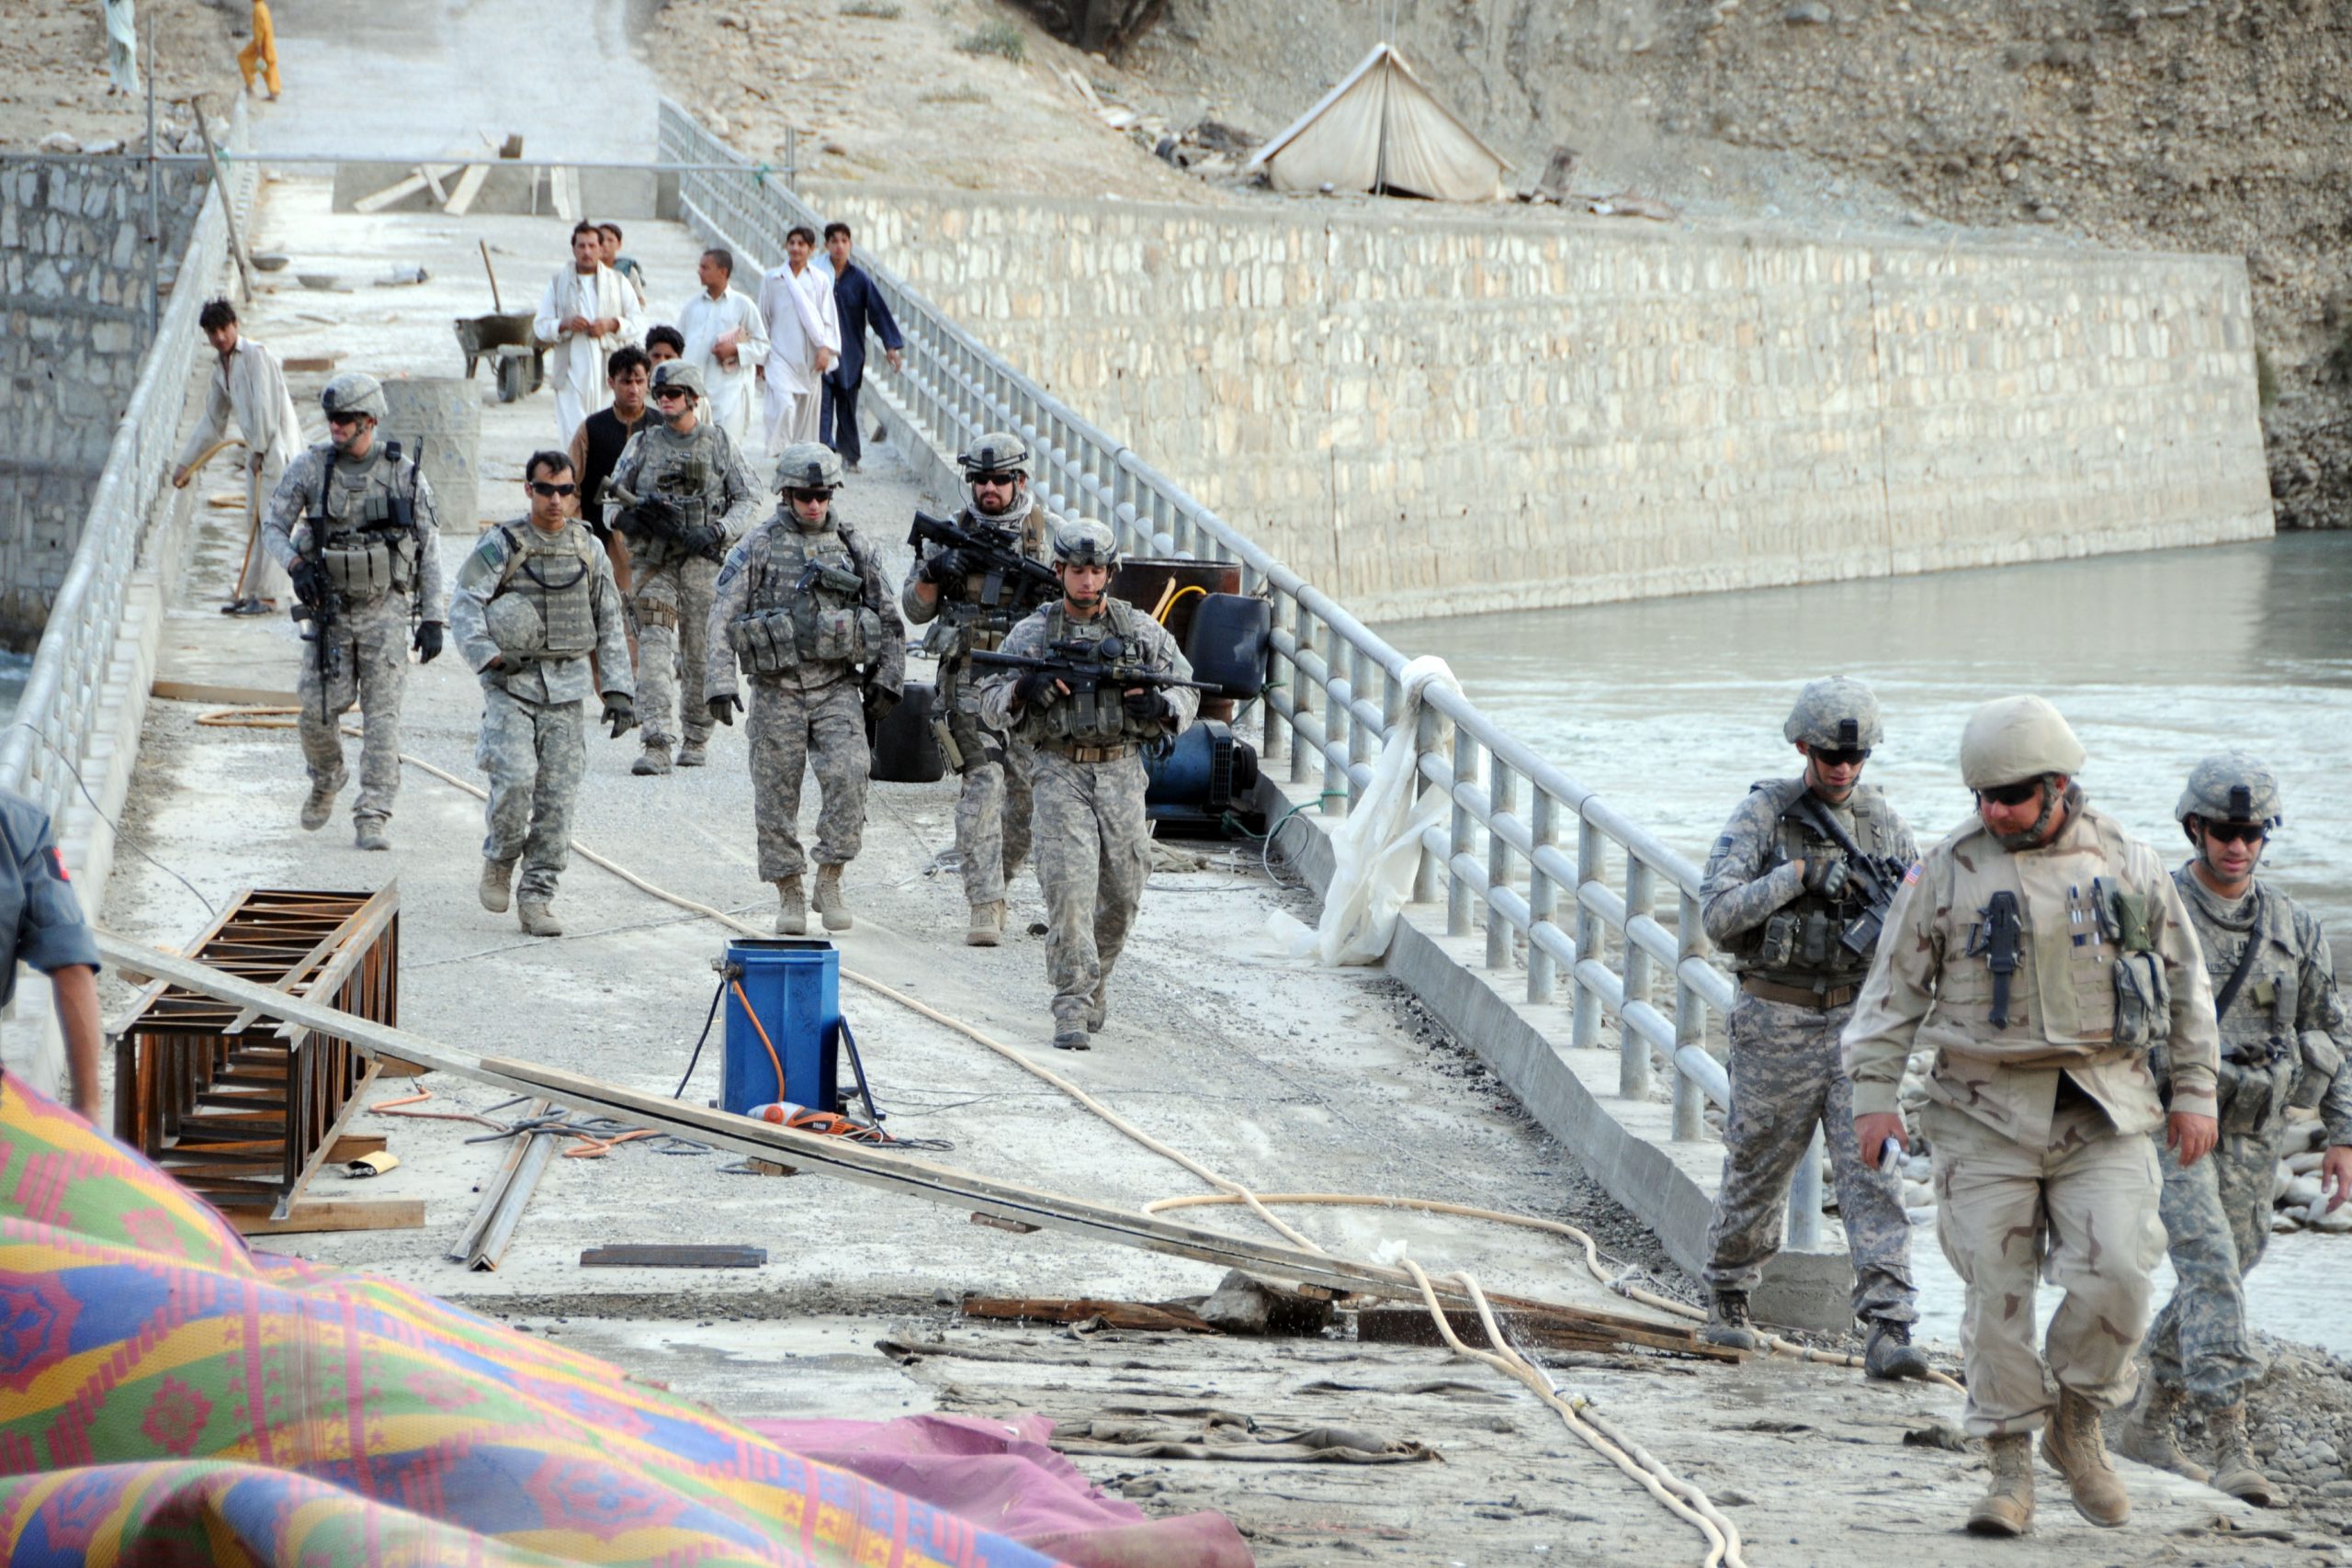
1001 1476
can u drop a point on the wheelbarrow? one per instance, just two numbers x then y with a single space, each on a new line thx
522 359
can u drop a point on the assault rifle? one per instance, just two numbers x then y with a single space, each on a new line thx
997 561
1084 666
656 516
838 578
1874 877
317 613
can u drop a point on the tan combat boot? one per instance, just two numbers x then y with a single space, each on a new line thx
828 900
692 753
2151 1435
497 877
2234 1469
536 919
1728 1324
988 925
792 910
2006 1507
320 804
652 761
2075 1450
367 833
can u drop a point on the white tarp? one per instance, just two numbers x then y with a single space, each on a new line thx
1382 131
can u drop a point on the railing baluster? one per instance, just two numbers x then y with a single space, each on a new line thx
1542 896
1690 1022
1584 1027
1457 892
1501 788
1634 1064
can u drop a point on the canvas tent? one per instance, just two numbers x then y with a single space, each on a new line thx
1382 131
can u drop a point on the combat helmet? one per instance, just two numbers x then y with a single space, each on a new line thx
1084 541
808 464
515 623
1838 713
678 373
355 392
2011 739
997 451
2230 786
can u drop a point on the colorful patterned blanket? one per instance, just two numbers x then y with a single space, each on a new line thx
167 1397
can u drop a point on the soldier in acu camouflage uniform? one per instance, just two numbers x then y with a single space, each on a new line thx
1082 753
353 524
534 601
2040 953
970 609
680 494
1778 895
801 602
2283 1044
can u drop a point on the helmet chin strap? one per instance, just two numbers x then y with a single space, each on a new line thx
2033 838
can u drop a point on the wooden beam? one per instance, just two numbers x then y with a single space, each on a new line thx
355 1145
1149 1316
461 200
334 1214
419 178
233 696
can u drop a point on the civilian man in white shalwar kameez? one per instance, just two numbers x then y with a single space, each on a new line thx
804 339
249 386
725 340
587 311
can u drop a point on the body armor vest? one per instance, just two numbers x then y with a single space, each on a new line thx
1799 945
2267 1064
974 620
783 626
364 528
681 469
1096 717
556 575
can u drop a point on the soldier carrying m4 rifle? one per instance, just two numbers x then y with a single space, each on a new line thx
1794 894
2284 1042
680 494
972 597
801 604
353 524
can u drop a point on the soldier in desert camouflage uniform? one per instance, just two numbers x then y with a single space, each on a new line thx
801 602
1083 755
680 495
534 603
2040 953
970 609
2283 1043
1777 897
353 526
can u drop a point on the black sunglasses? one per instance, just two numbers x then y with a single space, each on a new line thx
2011 793
541 487
1849 757
340 418
664 394
2237 832
792 494
995 478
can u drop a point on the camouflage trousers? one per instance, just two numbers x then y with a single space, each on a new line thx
993 811
1093 849
2081 1212
534 754
672 603
2217 1215
1785 1081
790 732
366 663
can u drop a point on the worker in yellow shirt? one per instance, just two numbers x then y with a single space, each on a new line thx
262 52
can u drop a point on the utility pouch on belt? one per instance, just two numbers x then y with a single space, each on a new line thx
2142 999
766 645
363 573
2250 1096
843 635
1778 948
2319 1061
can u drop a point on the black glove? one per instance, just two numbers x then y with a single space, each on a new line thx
1146 706
428 641
620 712
946 566
702 539
656 517
724 707
1035 689
878 704
1826 874
310 580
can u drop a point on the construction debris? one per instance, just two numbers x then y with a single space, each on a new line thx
662 1256
1145 1317
1241 1305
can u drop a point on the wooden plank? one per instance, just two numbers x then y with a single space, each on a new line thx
461 200
563 191
355 1145
1160 1317
319 363
658 1255
396 191
433 183
1412 1326
233 696
335 1214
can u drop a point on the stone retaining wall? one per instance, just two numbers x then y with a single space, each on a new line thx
1428 414
74 271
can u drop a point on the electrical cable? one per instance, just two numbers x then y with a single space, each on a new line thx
695 1060
112 826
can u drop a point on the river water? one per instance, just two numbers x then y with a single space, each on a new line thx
1671 707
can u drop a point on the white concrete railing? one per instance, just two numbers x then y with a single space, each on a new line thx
57 712
1341 702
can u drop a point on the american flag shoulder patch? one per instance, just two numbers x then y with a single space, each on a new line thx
57 859
1912 875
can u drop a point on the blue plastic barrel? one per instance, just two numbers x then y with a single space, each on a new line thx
795 986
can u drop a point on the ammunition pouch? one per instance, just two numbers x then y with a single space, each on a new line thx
2253 1094
2142 998
843 636
2320 1061
765 644
371 567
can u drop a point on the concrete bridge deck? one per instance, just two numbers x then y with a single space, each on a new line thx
1284 1078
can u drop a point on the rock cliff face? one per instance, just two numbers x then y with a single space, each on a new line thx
2203 125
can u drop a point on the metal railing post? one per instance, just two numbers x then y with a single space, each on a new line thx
1429 736
1501 788
1584 1026
1302 687
1360 738
1458 894
1634 1061
1338 722
1689 1023
1542 895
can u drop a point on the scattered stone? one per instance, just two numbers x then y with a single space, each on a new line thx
60 141
1242 1304
1808 14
